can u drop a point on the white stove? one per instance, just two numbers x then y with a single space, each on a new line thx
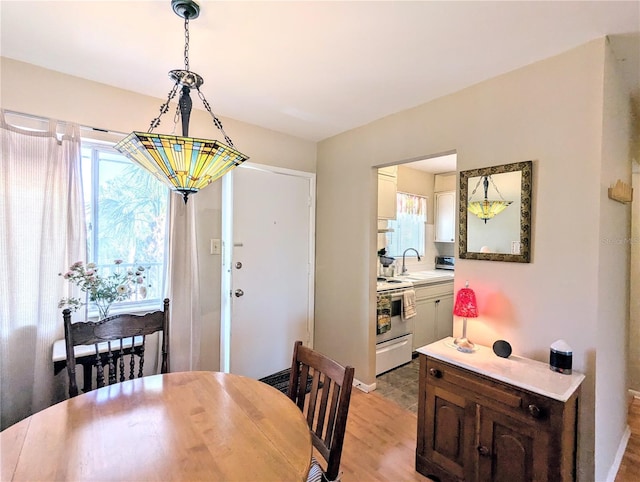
394 344
388 284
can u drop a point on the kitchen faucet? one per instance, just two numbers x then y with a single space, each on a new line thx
404 268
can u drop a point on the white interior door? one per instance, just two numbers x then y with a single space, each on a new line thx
271 268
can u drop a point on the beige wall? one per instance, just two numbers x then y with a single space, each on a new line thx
445 182
614 225
550 112
29 89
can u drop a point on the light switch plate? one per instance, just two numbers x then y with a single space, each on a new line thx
215 246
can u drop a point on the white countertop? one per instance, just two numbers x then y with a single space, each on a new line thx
416 278
521 372
426 277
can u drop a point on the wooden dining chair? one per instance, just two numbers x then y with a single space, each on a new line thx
114 339
324 402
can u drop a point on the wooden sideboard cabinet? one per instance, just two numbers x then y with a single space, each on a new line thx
485 418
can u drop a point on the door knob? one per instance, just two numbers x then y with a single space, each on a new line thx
239 293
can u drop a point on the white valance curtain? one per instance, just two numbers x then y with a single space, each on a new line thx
412 205
42 231
410 224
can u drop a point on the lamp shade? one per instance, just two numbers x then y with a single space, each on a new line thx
487 209
185 164
466 305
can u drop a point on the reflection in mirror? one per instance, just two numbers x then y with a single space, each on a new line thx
504 226
495 213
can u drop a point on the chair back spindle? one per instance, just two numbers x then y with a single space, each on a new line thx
121 360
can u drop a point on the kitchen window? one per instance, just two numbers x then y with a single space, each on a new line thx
126 215
409 226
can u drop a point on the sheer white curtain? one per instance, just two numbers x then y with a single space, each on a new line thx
184 288
410 224
42 231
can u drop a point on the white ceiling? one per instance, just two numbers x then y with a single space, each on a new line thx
311 69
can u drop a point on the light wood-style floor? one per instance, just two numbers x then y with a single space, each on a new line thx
629 470
380 441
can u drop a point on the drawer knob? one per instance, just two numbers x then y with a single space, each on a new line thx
482 450
535 411
435 372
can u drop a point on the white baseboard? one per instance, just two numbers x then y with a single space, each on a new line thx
613 471
363 386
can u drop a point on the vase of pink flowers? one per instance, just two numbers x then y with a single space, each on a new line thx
104 289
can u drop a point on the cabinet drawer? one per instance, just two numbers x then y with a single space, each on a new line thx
525 406
434 291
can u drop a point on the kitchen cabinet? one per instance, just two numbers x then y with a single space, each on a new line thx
434 313
445 222
485 418
387 190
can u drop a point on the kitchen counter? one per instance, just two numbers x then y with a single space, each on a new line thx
415 279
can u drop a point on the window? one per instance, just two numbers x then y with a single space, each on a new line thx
126 212
409 226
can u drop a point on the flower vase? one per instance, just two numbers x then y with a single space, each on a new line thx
103 311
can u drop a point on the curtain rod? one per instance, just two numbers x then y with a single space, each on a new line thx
45 119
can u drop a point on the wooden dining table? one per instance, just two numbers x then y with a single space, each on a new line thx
183 426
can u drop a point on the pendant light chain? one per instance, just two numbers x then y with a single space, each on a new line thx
186 42
492 182
206 104
476 188
216 121
496 188
164 108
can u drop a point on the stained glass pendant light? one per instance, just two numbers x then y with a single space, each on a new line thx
486 209
185 164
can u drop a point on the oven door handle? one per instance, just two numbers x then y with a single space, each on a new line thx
393 346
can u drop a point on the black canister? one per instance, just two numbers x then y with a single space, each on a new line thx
560 357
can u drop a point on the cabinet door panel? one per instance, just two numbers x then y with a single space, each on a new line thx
448 429
386 197
444 318
507 450
512 455
445 439
424 323
445 229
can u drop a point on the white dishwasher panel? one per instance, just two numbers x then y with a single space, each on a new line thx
393 353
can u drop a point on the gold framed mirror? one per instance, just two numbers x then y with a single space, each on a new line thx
494 208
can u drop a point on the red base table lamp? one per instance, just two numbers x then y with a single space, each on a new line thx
466 307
